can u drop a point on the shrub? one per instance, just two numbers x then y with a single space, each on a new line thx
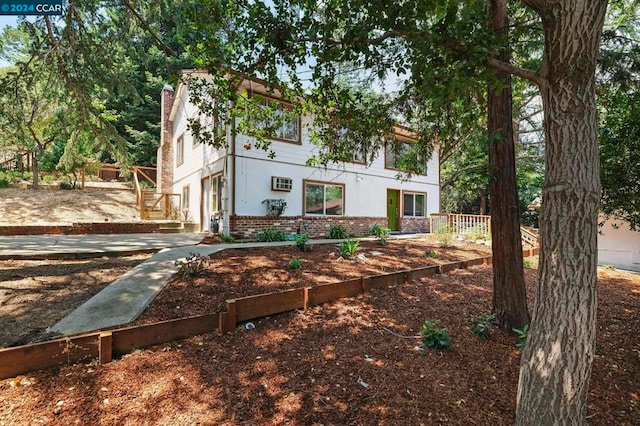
348 248
5 180
295 264
67 186
270 234
302 242
227 238
381 233
434 337
337 232
480 325
526 263
432 254
478 232
444 234
192 265
522 333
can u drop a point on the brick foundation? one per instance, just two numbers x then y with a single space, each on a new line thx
414 224
83 228
315 227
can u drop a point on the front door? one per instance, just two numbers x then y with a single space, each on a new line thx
393 209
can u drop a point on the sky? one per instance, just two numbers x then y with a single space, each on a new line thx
7 20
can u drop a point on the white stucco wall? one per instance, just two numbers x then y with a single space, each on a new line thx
365 187
619 247
201 161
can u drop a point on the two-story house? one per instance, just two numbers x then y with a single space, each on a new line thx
238 190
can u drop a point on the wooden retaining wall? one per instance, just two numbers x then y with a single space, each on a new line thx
106 345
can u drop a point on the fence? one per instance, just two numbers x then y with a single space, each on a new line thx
461 224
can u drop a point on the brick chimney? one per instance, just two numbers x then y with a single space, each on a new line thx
165 150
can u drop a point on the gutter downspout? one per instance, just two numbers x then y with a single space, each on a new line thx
233 171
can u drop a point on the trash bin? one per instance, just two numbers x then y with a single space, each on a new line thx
215 224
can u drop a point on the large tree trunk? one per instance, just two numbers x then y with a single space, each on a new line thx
556 363
509 292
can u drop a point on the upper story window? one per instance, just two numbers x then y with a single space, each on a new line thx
414 204
402 158
323 199
180 150
285 121
359 157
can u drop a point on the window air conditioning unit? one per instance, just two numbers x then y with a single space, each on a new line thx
281 183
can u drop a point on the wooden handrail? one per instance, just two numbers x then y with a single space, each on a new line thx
136 187
145 212
138 170
529 237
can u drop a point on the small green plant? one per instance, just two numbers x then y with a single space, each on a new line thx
192 265
444 234
478 232
295 264
5 180
434 337
526 263
522 333
337 232
381 233
348 248
481 325
67 186
227 238
302 242
270 235
432 254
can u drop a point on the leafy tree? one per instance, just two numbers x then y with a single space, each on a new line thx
32 110
112 58
620 154
414 41
619 113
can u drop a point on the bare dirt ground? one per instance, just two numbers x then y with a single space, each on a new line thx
34 295
353 361
50 205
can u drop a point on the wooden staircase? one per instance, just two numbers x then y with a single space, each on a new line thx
157 206
530 237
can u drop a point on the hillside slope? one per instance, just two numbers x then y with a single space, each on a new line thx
61 207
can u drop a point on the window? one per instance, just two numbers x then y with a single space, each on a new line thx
216 193
402 158
287 124
185 197
180 150
359 157
323 199
414 204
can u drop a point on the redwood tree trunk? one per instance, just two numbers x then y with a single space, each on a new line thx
509 292
556 363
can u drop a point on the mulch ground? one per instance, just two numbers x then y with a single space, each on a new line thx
246 272
353 361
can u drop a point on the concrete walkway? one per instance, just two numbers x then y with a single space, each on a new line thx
122 301
94 245
127 297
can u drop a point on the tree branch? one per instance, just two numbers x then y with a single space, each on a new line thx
517 71
135 13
